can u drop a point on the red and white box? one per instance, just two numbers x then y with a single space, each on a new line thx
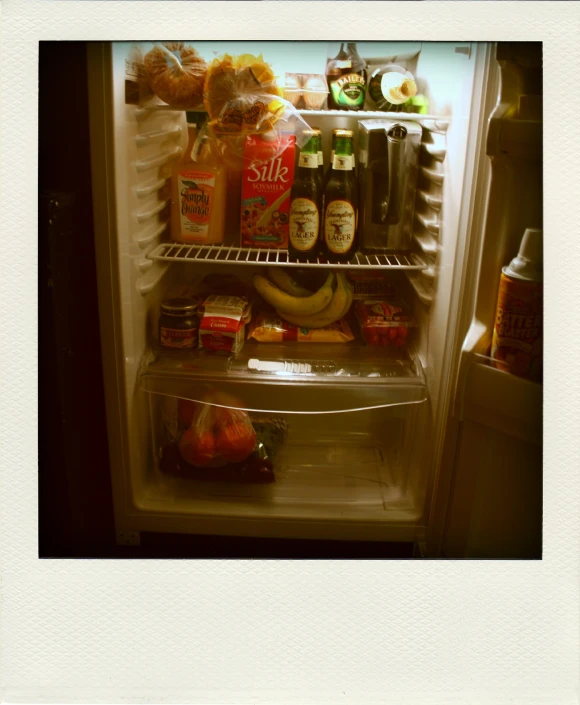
223 323
385 323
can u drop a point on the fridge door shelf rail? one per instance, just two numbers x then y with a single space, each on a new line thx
341 378
223 254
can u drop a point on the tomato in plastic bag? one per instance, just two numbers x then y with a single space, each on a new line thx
217 436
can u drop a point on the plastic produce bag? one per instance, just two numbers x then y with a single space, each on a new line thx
216 436
203 442
242 98
176 73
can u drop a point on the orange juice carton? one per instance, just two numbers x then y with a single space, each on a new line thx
518 325
266 182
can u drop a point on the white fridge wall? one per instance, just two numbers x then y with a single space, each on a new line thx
144 144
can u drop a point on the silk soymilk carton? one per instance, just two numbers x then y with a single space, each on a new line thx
266 183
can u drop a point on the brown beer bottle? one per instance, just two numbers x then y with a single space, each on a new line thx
306 204
341 202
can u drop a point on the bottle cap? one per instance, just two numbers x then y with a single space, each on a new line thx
339 132
528 263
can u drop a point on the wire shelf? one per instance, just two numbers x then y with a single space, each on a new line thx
223 254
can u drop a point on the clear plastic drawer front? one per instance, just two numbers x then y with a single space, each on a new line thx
291 379
300 465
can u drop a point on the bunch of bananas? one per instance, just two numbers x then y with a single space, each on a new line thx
302 307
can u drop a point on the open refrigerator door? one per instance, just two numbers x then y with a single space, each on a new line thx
346 433
495 416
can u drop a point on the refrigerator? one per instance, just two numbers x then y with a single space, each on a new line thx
433 445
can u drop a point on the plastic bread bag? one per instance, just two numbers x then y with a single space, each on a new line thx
270 328
176 73
242 98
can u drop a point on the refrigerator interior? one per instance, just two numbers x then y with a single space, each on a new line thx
361 453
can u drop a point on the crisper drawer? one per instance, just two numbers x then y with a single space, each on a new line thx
312 471
358 377
214 461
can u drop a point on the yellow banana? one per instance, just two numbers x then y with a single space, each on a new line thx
296 305
285 281
336 309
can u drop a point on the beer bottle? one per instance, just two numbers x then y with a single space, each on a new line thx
306 204
320 157
329 170
341 202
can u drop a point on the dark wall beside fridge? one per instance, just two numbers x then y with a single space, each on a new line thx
75 506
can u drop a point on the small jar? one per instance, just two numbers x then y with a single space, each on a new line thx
178 324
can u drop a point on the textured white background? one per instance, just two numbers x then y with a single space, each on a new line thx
277 631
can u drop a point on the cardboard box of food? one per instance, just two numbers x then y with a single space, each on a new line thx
266 183
223 323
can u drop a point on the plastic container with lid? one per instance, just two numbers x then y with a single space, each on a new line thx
384 323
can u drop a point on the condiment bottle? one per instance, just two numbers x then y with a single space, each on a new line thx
346 77
341 202
178 324
306 203
518 325
199 193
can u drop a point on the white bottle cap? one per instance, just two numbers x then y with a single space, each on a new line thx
528 263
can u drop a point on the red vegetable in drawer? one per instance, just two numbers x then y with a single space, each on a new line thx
216 435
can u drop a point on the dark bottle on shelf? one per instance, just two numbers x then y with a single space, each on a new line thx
320 156
347 79
306 204
329 170
341 202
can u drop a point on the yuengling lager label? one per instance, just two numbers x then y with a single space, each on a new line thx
339 226
304 224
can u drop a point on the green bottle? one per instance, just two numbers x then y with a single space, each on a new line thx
341 202
306 203
320 157
347 79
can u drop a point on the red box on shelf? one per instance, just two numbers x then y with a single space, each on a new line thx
384 323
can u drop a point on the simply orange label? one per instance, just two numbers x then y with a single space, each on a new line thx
196 193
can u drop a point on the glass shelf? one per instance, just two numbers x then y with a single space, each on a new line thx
223 254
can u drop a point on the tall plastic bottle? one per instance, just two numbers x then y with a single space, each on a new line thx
518 327
198 198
